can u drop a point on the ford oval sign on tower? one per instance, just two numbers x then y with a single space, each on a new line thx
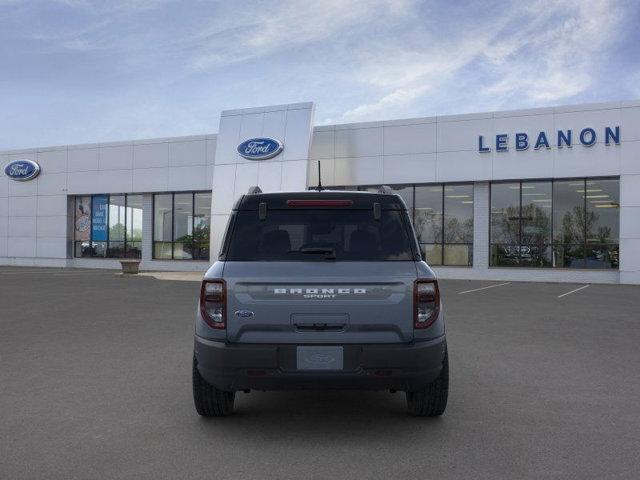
22 170
260 148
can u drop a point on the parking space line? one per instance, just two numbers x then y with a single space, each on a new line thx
484 288
573 291
34 272
71 274
57 273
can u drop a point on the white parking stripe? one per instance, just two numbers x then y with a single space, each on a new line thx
22 271
80 273
484 288
26 273
573 291
55 273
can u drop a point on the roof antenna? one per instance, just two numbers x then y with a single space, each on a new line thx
319 187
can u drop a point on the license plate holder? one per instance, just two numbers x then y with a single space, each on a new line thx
314 358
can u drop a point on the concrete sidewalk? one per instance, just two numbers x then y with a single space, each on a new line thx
175 276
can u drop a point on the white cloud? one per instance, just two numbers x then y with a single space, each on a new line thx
160 68
544 52
406 76
399 97
556 63
288 24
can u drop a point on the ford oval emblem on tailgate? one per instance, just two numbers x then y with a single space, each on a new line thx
244 313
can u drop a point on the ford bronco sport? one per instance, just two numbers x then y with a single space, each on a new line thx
320 290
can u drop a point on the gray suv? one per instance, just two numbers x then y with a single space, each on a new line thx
320 290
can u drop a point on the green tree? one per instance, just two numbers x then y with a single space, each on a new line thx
116 232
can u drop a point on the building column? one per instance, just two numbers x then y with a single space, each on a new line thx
629 229
481 216
291 124
147 227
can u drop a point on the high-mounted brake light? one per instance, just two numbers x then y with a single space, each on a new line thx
213 303
319 203
426 303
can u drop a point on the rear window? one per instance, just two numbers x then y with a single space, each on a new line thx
308 235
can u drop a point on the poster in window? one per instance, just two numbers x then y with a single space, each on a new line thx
83 219
99 214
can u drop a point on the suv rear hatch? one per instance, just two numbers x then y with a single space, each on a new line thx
320 270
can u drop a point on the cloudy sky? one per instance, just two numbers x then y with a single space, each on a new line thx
80 71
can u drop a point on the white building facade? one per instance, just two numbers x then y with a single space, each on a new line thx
549 194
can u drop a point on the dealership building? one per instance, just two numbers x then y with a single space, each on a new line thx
547 194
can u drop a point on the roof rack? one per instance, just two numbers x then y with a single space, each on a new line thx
385 190
254 190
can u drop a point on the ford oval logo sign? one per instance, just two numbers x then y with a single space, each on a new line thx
260 148
22 170
244 314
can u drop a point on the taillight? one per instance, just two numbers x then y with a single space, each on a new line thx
213 299
426 303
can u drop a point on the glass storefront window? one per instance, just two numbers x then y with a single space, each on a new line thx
505 213
201 225
108 226
134 226
505 224
427 221
569 223
181 225
162 225
568 212
458 225
427 216
405 191
564 223
603 223
82 226
442 216
117 219
536 200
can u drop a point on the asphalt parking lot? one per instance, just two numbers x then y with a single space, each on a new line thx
95 382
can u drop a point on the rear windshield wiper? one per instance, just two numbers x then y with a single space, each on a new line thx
330 253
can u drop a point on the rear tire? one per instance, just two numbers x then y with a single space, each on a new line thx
209 401
431 401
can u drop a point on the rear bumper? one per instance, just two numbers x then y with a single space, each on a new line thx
232 367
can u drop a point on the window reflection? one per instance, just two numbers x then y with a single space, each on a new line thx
108 226
182 225
117 219
505 213
565 223
568 212
443 220
427 215
201 225
569 223
505 224
134 226
536 201
603 211
162 225
82 226
603 223
458 224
